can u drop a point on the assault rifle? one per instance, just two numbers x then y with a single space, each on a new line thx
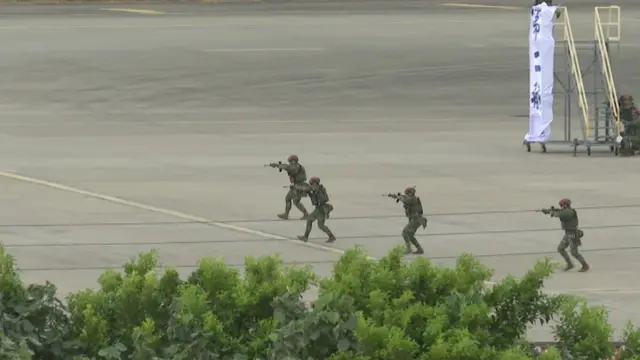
275 165
548 211
396 196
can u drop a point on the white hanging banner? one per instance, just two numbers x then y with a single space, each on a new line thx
541 57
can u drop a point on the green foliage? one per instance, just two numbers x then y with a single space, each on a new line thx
214 314
631 341
584 331
32 317
389 309
552 353
10 350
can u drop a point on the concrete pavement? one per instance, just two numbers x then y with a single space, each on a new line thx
124 131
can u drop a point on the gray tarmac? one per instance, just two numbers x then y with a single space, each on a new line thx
122 132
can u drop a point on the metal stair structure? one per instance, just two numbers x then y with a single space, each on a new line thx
606 123
584 87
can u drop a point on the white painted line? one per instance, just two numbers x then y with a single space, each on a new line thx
177 214
116 200
479 6
212 122
135 11
265 50
214 26
620 291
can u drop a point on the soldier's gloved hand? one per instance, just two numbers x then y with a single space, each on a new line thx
546 211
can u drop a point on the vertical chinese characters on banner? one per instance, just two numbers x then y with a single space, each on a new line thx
541 58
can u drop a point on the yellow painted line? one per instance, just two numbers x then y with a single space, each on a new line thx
479 6
136 11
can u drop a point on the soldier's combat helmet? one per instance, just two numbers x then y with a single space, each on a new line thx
292 158
625 100
314 180
410 190
564 202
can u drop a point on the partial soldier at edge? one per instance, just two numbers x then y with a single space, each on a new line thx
572 234
297 177
320 199
413 210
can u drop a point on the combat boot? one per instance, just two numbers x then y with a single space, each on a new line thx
303 238
416 244
585 268
331 239
284 216
569 267
408 250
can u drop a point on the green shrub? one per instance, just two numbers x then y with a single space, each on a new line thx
389 309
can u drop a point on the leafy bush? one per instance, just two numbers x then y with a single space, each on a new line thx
389 309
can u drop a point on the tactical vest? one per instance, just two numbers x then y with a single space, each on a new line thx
298 177
413 209
571 224
319 196
626 114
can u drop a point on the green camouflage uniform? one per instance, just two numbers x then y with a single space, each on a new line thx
297 177
320 199
571 239
631 136
413 210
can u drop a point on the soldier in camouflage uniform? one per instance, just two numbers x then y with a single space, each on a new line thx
320 199
631 120
572 234
413 210
297 177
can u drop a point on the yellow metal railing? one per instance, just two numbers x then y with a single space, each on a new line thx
603 35
565 21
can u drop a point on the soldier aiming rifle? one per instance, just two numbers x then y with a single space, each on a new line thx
572 238
413 210
320 199
297 177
